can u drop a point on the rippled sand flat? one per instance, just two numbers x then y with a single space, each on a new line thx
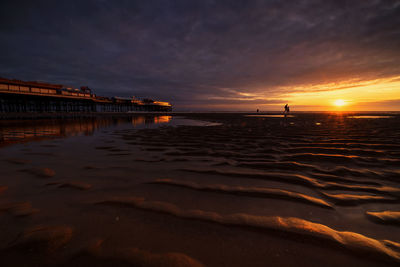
202 190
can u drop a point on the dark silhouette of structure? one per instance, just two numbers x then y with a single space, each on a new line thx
25 97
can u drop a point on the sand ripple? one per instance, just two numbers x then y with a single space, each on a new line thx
300 180
41 172
389 217
44 238
72 184
247 191
350 199
140 257
18 208
18 161
353 241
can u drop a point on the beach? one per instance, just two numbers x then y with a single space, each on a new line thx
201 189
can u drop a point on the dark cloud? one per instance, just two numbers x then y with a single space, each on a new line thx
189 52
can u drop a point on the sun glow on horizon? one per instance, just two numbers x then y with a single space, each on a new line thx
371 95
339 102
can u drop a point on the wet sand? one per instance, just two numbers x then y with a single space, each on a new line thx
318 189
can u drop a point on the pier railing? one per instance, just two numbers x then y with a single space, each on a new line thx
23 89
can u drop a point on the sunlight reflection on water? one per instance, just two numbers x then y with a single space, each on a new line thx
15 131
369 117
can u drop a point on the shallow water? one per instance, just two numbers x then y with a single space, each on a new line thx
29 130
369 117
309 190
270 116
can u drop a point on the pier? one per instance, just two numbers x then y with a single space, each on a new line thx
36 97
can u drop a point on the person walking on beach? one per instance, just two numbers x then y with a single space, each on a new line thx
287 110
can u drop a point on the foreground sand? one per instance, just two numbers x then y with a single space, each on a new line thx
309 190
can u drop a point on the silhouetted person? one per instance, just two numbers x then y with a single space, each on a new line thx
287 110
258 110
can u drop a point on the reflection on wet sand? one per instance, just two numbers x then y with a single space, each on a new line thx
140 120
162 119
29 130
369 117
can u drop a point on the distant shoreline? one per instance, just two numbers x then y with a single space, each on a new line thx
69 115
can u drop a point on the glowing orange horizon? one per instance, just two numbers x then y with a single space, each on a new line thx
371 95
350 96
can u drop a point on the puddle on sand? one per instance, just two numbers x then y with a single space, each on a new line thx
179 121
369 117
15 131
270 116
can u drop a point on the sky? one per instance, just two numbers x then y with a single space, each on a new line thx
211 55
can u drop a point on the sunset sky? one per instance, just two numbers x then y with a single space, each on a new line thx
212 55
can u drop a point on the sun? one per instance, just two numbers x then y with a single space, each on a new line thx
339 102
